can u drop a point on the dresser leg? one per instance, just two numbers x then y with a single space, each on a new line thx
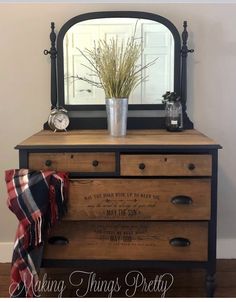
210 285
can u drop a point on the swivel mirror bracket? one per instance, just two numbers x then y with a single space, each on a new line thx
53 56
184 53
184 49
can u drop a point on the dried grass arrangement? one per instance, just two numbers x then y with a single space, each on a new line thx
116 66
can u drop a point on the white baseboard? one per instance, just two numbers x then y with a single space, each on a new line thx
6 249
226 249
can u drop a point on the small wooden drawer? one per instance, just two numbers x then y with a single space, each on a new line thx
139 199
165 165
128 240
73 162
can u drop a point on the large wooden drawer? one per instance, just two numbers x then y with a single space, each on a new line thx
166 165
129 240
73 162
139 199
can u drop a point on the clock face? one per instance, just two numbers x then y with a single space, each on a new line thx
60 121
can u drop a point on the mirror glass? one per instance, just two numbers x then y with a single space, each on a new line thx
157 43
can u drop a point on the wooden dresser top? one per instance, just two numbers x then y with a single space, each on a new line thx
101 139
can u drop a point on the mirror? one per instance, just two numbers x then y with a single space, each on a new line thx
85 104
157 46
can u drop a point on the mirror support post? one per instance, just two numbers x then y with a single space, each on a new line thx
184 55
53 56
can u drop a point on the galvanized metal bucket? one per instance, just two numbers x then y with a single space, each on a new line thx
117 110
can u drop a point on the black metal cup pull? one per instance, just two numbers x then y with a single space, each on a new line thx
182 200
141 166
95 163
180 242
48 163
191 166
58 240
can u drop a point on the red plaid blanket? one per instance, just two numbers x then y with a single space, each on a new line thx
37 198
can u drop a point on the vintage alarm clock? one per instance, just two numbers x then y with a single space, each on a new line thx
58 119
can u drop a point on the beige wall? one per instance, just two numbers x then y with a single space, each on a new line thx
25 90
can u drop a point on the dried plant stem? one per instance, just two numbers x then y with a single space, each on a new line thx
115 65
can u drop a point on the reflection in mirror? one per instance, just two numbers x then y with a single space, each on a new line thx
156 40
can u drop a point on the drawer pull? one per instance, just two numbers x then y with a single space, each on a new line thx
95 163
141 166
185 200
191 166
58 240
48 163
179 242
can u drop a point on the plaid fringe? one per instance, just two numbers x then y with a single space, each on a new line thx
38 199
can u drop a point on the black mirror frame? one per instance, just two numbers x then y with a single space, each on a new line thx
140 116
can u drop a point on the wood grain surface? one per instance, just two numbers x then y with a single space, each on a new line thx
101 138
138 199
187 283
137 240
165 165
73 161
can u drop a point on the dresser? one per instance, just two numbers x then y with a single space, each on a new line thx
149 198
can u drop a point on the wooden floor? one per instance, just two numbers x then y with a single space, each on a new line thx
188 283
